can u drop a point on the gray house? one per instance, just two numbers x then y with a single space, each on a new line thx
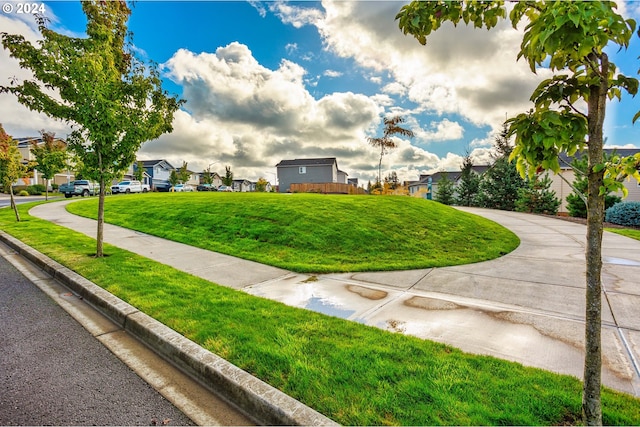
159 172
306 171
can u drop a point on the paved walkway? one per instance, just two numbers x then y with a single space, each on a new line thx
527 306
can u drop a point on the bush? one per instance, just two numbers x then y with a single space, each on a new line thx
54 187
36 190
23 193
624 213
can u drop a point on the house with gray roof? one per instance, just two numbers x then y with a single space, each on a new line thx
159 172
309 171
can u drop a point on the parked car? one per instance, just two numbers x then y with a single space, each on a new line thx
206 187
129 187
182 188
225 188
80 187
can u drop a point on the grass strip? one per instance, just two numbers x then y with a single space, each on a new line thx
353 373
633 233
313 233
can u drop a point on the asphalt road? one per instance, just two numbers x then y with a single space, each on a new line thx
53 372
5 199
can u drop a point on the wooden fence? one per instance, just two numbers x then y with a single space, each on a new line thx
326 188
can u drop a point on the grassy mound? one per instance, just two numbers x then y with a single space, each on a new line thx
313 233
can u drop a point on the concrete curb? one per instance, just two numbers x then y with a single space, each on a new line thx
262 402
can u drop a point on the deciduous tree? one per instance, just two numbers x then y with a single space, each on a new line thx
138 173
576 200
570 39
51 158
261 185
183 173
113 101
174 179
11 167
385 142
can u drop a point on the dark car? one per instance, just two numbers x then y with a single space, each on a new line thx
206 187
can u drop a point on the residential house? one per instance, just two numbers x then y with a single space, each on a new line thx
25 145
159 172
241 185
342 177
562 188
267 188
420 188
353 181
216 180
130 175
306 171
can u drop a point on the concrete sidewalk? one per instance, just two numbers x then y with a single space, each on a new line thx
527 306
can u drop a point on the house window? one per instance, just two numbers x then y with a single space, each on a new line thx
302 169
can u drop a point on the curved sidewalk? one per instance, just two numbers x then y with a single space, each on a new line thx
527 306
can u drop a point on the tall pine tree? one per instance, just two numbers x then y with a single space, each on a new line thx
469 184
500 184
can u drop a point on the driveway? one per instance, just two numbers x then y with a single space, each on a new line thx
527 306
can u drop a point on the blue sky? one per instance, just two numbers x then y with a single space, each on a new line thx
267 81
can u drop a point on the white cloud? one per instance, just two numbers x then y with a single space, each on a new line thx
332 73
262 11
296 16
291 48
394 88
240 113
462 70
444 130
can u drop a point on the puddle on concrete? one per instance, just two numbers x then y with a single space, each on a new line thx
431 304
323 306
620 261
371 294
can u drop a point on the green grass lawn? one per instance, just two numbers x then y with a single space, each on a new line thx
353 373
313 233
628 232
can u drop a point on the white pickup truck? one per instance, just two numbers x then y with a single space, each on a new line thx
129 187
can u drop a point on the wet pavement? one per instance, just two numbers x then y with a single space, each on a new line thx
527 306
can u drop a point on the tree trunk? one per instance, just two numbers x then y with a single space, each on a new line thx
100 233
591 404
46 189
380 166
13 203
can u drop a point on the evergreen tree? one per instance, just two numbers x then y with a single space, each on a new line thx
445 193
537 197
575 203
469 184
392 180
228 177
500 184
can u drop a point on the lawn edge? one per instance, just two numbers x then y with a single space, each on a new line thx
262 402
